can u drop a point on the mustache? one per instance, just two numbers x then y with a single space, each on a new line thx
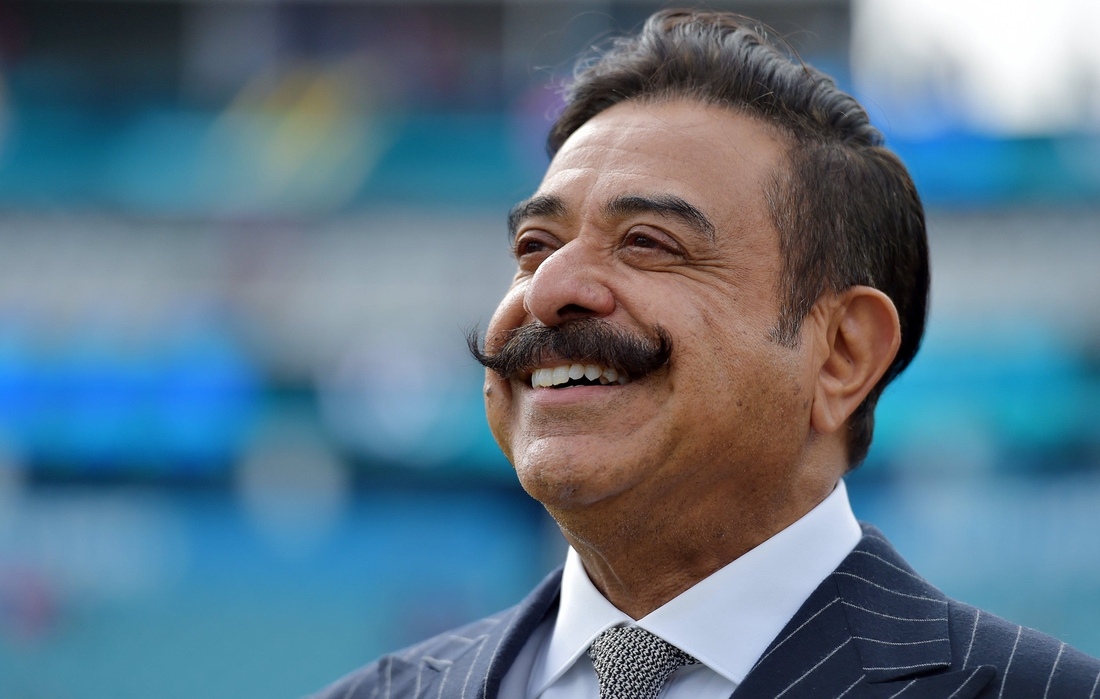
584 341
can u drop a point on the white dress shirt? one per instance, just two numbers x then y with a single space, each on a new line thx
726 621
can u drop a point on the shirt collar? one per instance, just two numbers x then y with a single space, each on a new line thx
727 620
583 614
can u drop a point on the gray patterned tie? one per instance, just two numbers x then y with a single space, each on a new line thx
632 663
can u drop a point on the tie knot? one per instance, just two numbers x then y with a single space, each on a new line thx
632 663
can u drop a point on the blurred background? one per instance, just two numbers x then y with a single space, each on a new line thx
242 450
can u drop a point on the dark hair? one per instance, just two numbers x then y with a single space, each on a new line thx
846 209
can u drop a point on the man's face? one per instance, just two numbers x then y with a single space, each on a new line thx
654 215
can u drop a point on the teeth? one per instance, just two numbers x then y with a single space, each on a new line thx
561 375
558 375
541 377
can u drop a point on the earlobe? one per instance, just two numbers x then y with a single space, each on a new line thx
862 336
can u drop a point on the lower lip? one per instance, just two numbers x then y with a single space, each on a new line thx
575 394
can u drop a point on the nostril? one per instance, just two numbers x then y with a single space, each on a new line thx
573 310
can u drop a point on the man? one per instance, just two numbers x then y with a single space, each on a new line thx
718 276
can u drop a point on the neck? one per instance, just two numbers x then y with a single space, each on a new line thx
641 555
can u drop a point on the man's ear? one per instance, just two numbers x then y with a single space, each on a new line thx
862 336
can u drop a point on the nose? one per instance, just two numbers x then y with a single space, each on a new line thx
569 284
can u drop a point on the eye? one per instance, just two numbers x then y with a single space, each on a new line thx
529 247
650 238
532 247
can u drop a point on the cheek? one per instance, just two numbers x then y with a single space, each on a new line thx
499 404
725 345
498 411
750 393
776 406
509 315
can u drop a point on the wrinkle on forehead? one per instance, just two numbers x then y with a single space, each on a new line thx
713 156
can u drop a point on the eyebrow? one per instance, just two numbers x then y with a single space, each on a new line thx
664 205
541 205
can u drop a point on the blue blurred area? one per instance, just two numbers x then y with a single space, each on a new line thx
182 595
154 160
974 170
991 396
157 161
184 402
241 444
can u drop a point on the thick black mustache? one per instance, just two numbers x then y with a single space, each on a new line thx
585 341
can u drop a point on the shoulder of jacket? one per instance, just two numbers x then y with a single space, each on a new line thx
462 635
367 681
359 684
1024 657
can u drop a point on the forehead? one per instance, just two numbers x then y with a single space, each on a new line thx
712 157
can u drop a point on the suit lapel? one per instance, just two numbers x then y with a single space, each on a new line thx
419 676
873 628
813 656
897 619
472 666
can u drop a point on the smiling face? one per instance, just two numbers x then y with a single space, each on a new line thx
654 216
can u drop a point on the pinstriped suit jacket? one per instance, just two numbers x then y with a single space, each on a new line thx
872 629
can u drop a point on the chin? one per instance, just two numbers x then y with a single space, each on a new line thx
570 479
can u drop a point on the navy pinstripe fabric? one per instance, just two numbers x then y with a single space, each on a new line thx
872 629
